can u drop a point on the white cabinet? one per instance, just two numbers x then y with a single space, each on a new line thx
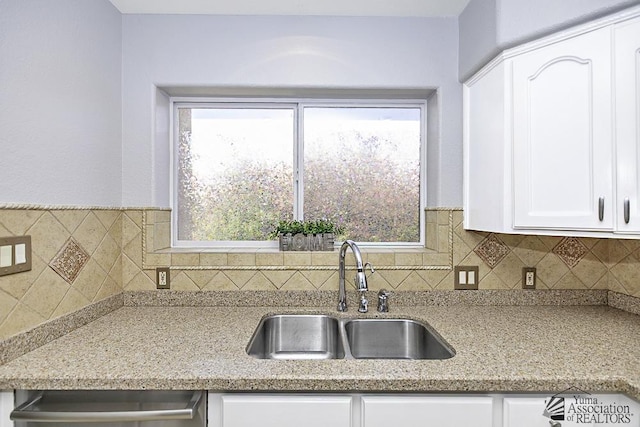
552 134
6 406
528 412
627 124
256 410
426 411
562 141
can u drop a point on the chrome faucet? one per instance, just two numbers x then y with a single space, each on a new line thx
360 279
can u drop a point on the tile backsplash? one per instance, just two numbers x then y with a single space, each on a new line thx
85 255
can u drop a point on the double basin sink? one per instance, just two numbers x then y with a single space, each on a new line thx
311 336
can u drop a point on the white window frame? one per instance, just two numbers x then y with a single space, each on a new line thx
298 105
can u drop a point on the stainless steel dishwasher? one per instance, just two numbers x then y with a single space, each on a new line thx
112 408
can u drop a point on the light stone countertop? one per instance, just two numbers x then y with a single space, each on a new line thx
498 348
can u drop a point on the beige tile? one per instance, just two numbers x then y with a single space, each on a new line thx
601 250
220 282
17 285
46 293
443 217
376 282
431 216
133 250
185 259
107 253
72 301
614 285
393 277
7 303
551 269
470 238
161 236
90 233
474 260
248 259
509 270
269 258
116 271
129 270
297 258
617 252
447 283
431 236
4 232
47 237
135 216
148 237
200 277
326 258
213 259
317 277
492 281
531 250
626 273
181 282
458 217
589 242
569 281
141 282
20 319
90 279
414 282
603 283
240 277
107 216
436 259
409 259
589 270
258 283
130 230
331 284
511 240
433 277
278 277
70 219
444 245
160 260
18 221
161 216
109 288
116 230
376 259
298 282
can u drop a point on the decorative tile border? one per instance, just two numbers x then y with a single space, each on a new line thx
190 260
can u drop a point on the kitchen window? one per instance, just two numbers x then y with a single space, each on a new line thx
239 167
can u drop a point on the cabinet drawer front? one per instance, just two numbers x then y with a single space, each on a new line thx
286 411
419 411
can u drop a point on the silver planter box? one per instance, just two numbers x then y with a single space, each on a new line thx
307 242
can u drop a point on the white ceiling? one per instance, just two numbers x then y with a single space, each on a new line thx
423 8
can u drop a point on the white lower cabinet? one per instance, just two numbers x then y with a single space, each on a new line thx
255 410
6 406
426 411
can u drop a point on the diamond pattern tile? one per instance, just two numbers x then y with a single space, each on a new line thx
491 250
570 250
69 261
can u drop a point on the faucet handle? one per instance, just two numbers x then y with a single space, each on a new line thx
383 301
364 303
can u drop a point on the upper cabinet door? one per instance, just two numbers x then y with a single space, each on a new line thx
627 124
562 139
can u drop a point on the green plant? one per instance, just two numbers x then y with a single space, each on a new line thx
318 226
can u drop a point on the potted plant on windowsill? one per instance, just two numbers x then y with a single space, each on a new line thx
316 235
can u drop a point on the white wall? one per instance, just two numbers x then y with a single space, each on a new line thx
60 102
326 52
518 21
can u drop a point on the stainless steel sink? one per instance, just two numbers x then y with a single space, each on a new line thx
394 339
297 337
309 336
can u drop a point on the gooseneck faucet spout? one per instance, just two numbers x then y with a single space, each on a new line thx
360 279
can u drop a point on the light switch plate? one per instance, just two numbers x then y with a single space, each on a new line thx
15 254
466 277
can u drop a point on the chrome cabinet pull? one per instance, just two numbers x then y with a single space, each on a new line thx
601 208
627 210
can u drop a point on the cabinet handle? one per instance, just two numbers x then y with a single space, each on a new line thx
601 208
626 210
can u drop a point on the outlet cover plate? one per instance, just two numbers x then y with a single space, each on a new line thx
466 277
163 278
528 271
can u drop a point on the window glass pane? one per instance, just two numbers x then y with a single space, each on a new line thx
362 169
234 172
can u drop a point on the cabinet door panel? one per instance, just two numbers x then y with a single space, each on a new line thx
527 412
627 124
562 144
286 411
419 411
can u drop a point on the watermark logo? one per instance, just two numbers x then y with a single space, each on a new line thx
584 408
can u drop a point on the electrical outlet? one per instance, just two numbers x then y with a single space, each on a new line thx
466 277
528 277
163 278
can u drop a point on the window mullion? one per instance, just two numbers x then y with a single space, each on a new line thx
298 163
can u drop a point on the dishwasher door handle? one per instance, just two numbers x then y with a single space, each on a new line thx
29 411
